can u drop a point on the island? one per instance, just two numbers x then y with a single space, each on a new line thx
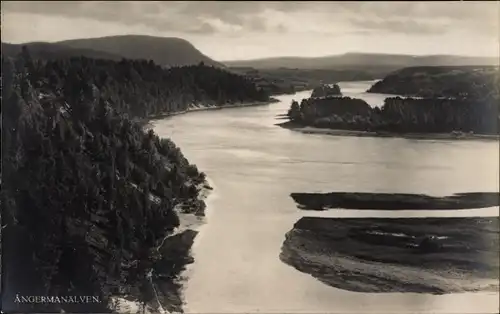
403 255
403 117
93 204
452 103
326 90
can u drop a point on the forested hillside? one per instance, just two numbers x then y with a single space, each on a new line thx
87 195
142 88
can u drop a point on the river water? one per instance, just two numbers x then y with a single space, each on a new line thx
255 165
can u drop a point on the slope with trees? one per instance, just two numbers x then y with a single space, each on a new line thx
88 196
141 88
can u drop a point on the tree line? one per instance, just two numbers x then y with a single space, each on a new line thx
142 88
400 115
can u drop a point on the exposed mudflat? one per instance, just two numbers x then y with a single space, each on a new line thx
420 255
394 201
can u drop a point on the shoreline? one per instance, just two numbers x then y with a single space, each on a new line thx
169 288
193 108
423 136
184 275
166 277
172 290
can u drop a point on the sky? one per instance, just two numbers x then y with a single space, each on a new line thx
240 30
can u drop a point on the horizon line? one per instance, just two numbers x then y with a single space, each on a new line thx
265 57
366 53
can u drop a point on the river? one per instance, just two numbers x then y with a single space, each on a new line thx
255 165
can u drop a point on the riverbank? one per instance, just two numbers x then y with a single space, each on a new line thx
146 121
429 136
163 286
168 293
418 255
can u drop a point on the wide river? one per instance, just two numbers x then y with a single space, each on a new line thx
255 165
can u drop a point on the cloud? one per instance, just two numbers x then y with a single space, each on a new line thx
150 14
240 29
401 26
247 16
204 28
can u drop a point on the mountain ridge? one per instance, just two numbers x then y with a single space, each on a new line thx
358 59
165 51
46 50
159 49
174 51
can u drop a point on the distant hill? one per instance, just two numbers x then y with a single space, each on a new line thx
362 60
53 51
474 82
167 51
288 81
162 50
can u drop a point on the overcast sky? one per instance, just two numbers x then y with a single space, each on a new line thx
247 30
